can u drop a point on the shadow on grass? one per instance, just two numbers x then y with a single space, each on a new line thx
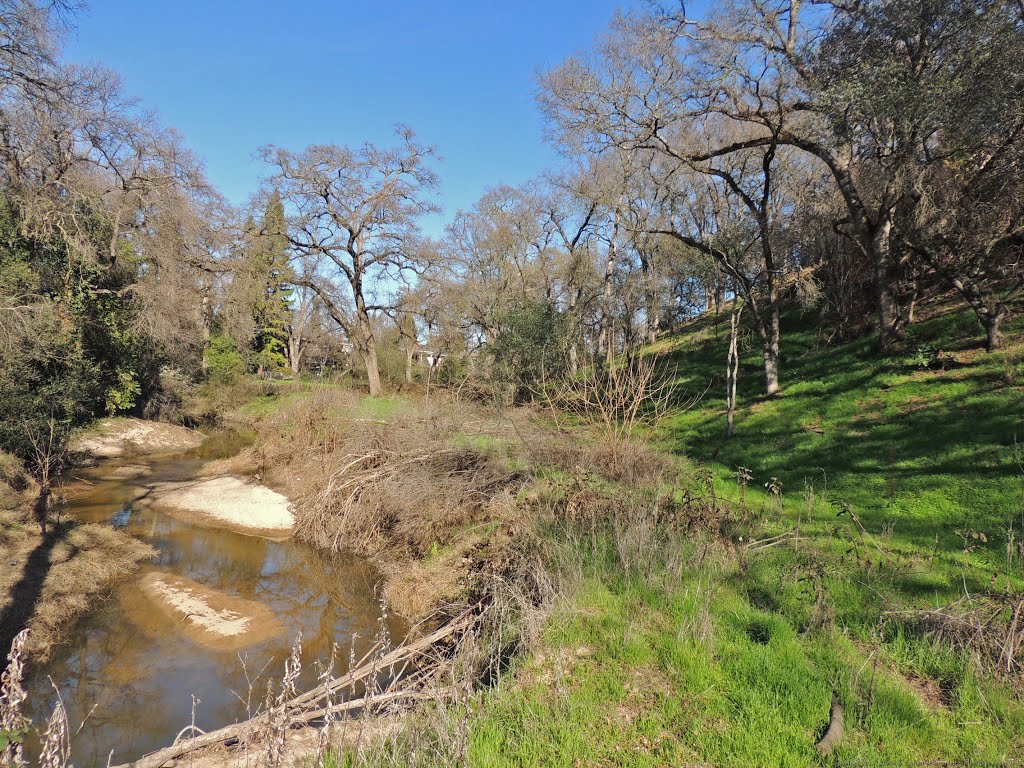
928 450
28 590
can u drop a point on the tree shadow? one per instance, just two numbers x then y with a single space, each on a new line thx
28 591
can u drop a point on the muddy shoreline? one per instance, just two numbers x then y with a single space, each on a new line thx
48 584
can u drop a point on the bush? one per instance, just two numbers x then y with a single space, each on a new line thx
45 378
530 349
167 403
391 358
224 362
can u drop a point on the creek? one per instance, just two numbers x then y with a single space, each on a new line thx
132 675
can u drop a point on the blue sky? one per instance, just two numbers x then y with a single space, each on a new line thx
232 76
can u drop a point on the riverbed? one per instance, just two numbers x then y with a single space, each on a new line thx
135 673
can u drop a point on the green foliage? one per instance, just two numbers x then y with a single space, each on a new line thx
267 263
15 736
531 348
72 348
452 370
223 360
45 376
391 357
924 356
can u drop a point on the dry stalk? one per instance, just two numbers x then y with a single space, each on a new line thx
13 724
314 705
278 716
990 627
56 752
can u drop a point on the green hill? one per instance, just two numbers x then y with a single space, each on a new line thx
919 445
881 567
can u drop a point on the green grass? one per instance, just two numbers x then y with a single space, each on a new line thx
381 407
925 452
693 660
626 678
672 656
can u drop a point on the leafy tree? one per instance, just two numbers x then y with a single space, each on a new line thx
531 348
269 266
224 361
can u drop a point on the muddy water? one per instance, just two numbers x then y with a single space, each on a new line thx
134 676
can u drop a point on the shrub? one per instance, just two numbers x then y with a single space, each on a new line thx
530 349
45 379
224 362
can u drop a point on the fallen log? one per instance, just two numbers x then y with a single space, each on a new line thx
400 654
305 707
834 733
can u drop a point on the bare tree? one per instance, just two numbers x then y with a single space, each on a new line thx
500 254
732 368
658 80
49 446
303 308
357 210
573 205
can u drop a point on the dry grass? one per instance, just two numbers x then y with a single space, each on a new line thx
420 488
46 584
989 627
437 492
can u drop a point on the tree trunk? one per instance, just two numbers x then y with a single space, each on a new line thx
606 343
652 309
41 507
207 322
732 369
295 355
575 294
366 342
372 371
771 346
990 318
885 285
993 329
408 365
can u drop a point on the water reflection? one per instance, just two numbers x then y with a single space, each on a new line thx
129 672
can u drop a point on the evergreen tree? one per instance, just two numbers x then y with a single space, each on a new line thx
272 305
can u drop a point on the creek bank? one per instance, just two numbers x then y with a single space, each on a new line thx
175 629
47 583
423 489
120 436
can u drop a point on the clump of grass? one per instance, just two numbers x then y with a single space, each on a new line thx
68 568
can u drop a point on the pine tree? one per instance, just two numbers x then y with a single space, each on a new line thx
272 305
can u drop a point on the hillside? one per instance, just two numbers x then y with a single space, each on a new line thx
919 445
865 577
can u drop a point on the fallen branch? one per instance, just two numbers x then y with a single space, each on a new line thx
306 707
771 541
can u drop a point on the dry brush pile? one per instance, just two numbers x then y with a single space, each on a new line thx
422 490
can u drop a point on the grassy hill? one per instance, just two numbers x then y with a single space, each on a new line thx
888 536
877 529
919 445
